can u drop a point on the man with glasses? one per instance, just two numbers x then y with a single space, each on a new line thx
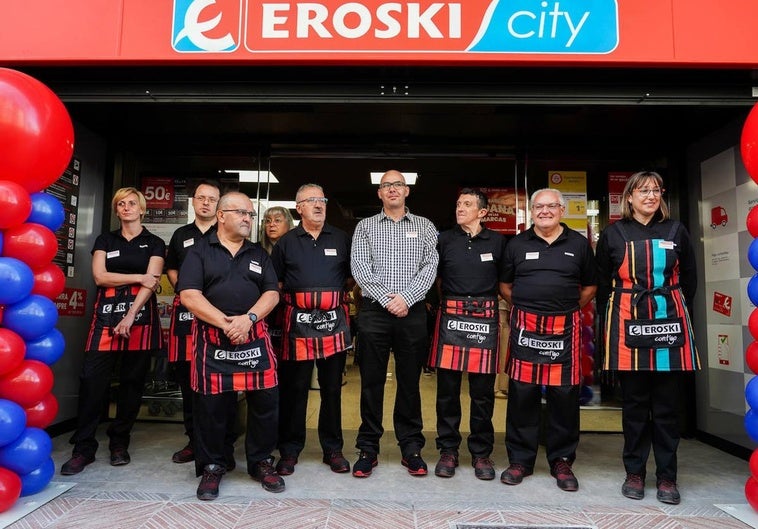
312 263
230 285
550 273
204 200
394 261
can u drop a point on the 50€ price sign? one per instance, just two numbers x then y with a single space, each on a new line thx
159 192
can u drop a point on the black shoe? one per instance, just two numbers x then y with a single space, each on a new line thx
286 465
415 464
76 464
365 464
185 455
445 467
515 474
265 472
483 468
120 457
667 492
337 462
564 477
633 487
208 488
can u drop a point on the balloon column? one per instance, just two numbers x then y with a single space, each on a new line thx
749 151
588 353
38 141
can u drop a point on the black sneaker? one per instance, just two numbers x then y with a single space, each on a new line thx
286 465
633 487
337 462
515 474
484 468
415 464
667 492
120 457
564 477
185 455
265 473
365 464
445 467
208 488
76 464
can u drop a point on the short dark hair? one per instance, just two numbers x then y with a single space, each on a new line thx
478 193
206 182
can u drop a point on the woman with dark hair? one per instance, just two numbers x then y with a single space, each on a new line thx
647 280
126 265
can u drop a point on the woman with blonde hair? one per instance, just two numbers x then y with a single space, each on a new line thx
275 222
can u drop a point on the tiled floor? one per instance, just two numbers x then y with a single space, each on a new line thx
153 492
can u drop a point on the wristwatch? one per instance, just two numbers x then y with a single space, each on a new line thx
252 316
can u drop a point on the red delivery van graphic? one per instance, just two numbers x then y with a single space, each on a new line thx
718 216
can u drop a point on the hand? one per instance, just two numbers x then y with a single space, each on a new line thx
238 329
397 306
150 281
124 327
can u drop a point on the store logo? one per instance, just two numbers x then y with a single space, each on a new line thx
548 26
206 25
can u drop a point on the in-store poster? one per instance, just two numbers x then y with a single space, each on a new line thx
616 182
573 186
507 209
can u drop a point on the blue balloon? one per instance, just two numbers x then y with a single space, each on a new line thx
37 479
47 210
16 280
31 317
12 421
1 241
26 453
751 424
752 289
48 348
585 395
751 393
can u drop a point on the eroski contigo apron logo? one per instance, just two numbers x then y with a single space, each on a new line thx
421 26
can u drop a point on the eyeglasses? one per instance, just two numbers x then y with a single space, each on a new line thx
314 200
646 192
277 220
396 185
202 198
551 206
241 212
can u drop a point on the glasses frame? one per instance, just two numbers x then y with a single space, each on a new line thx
241 212
314 200
203 198
397 185
656 192
552 206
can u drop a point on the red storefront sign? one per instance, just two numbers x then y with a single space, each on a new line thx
71 302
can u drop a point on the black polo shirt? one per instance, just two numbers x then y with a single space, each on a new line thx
302 262
232 284
181 243
129 257
548 277
471 266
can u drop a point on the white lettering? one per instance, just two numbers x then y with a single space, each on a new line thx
238 356
271 19
343 11
655 329
384 16
416 20
524 29
465 326
316 21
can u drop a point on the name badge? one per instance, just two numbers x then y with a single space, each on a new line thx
189 242
111 255
411 235
255 267
666 245
532 255
330 251
485 257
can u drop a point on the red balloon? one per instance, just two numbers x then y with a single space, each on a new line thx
34 244
752 222
12 350
588 380
10 488
15 204
749 143
587 364
35 131
49 281
751 357
42 414
752 324
27 384
751 492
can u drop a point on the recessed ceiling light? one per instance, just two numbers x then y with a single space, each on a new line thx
245 176
410 178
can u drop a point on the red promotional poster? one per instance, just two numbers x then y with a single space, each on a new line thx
616 182
71 302
159 192
507 209
722 303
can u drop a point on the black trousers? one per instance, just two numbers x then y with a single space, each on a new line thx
381 332
294 384
482 393
94 388
181 371
522 424
650 417
215 421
